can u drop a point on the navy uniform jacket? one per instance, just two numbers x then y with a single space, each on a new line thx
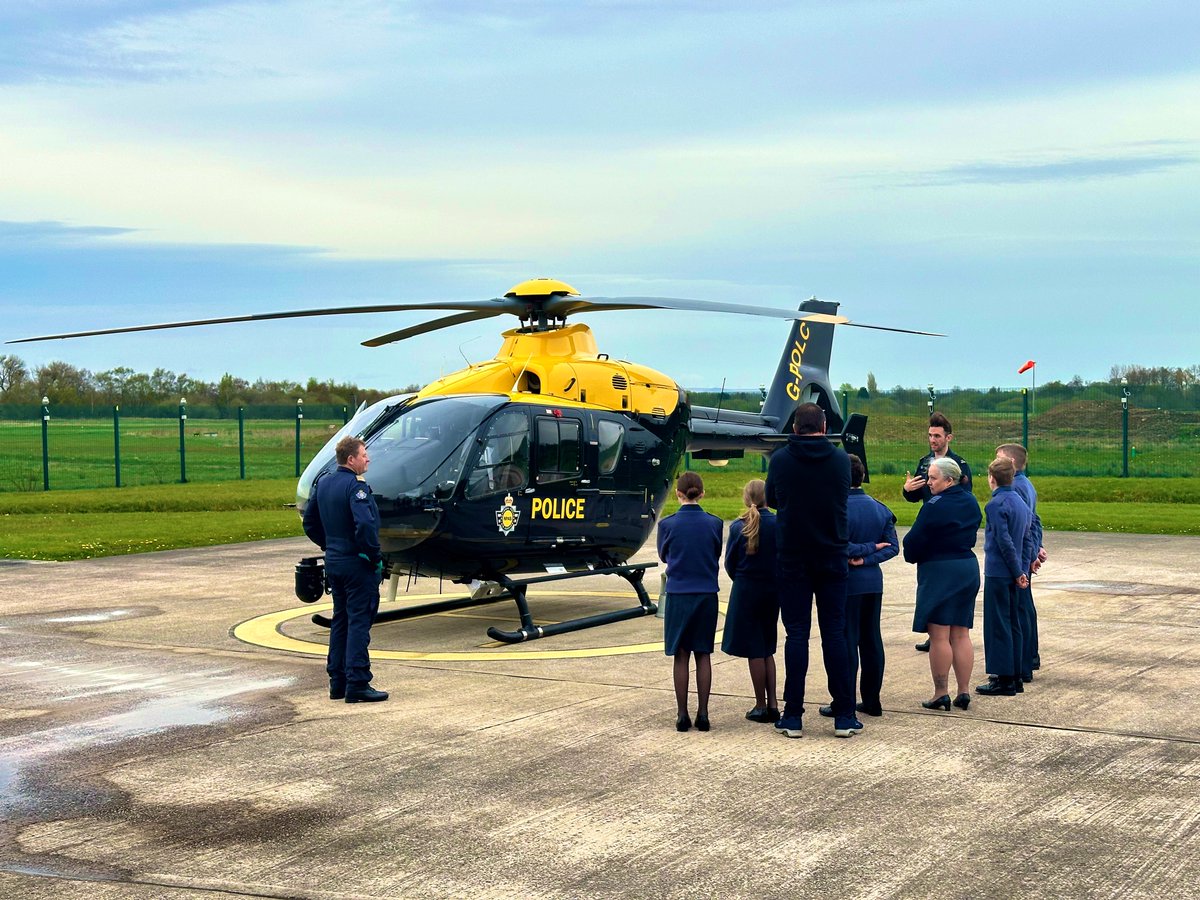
1007 540
1023 486
871 523
946 527
922 470
689 542
758 566
341 517
807 484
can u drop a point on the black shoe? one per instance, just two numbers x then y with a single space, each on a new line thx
1018 684
763 714
1001 687
869 710
337 690
962 701
702 723
366 694
826 710
923 646
942 702
683 722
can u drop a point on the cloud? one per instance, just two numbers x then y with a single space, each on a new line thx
1069 169
17 234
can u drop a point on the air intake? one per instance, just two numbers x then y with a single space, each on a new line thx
619 383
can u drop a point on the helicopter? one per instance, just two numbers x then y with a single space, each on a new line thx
552 460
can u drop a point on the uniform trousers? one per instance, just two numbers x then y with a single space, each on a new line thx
865 645
355 588
798 583
1003 637
1029 656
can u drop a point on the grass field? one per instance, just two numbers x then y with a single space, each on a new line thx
82 524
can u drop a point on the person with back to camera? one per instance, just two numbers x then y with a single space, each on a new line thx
808 482
872 541
341 518
916 487
941 542
689 544
1031 657
752 618
1007 553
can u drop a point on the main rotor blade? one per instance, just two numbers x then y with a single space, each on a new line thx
432 325
493 307
562 306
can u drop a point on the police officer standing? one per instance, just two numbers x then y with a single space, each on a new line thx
916 487
342 519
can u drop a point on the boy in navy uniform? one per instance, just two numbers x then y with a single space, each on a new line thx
341 518
1031 658
1007 552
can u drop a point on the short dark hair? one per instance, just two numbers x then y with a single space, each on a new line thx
690 485
937 420
1016 452
347 447
810 419
857 471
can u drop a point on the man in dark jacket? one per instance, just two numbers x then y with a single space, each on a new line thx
341 518
808 483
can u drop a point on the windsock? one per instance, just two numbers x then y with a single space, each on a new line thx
1025 368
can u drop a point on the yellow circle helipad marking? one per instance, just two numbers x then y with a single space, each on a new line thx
264 631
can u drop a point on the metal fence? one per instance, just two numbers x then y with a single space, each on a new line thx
1085 431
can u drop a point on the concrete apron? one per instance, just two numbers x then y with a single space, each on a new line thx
145 751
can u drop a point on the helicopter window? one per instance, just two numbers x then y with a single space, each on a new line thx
558 449
612 437
503 464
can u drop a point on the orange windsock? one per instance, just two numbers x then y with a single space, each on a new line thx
1025 368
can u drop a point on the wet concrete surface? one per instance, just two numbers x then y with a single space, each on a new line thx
145 751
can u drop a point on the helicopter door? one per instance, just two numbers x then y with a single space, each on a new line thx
562 505
497 511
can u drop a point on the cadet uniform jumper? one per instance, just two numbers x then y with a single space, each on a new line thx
689 542
870 523
1031 656
342 519
752 620
1007 554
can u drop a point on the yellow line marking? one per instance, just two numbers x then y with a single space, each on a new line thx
265 631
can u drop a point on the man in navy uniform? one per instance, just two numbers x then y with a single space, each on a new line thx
342 519
915 487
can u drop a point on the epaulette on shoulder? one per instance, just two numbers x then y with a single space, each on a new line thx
934 499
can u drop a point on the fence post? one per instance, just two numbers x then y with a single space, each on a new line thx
345 416
1025 418
299 416
117 442
242 442
182 447
1124 430
845 405
45 443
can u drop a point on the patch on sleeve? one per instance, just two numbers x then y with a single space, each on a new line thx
360 494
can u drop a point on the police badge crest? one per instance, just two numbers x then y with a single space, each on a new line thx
507 516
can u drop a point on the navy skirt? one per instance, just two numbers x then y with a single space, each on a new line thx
946 591
690 623
752 619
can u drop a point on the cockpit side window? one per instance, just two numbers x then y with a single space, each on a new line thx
612 438
503 464
559 449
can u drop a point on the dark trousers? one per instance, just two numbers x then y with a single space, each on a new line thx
797 587
355 602
1029 632
864 643
1003 637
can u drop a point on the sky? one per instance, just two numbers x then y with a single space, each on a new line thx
1024 177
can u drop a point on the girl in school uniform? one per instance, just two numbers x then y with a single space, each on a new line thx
752 620
689 544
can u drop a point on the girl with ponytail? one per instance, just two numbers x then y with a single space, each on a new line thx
752 619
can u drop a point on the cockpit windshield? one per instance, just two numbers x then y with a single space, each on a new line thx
422 450
360 423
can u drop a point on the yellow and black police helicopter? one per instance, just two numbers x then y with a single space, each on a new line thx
552 458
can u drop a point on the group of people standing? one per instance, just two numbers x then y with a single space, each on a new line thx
824 544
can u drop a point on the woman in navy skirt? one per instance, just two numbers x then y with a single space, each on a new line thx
752 620
689 543
941 542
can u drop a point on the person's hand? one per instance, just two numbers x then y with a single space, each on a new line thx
1041 555
881 545
1023 581
1035 565
914 483
856 561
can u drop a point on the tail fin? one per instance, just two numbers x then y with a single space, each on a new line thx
803 372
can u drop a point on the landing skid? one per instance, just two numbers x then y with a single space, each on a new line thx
516 590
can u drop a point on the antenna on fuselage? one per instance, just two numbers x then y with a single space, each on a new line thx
463 355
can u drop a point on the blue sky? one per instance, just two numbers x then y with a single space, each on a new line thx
1024 177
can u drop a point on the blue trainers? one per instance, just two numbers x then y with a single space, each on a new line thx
846 726
790 726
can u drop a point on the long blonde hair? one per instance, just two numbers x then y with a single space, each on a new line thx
755 497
